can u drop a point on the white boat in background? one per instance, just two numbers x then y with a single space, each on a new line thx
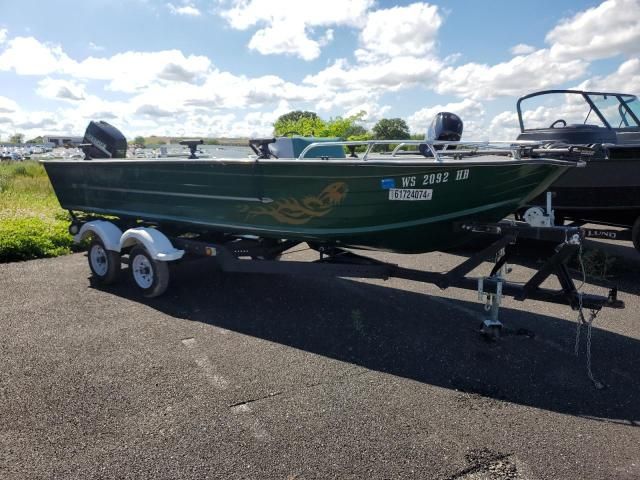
75 153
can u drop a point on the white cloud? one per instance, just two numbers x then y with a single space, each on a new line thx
248 13
611 28
373 112
406 31
290 26
71 119
522 49
626 79
389 75
185 10
38 124
153 111
285 38
30 124
607 30
504 126
7 105
396 52
177 73
162 91
348 98
520 75
61 89
130 71
219 91
256 124
3 35
28 56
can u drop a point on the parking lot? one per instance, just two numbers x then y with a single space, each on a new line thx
255 376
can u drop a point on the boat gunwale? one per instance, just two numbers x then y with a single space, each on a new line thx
485 160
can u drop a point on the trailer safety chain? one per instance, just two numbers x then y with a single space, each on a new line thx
582 320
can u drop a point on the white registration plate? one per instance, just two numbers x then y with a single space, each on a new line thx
410 193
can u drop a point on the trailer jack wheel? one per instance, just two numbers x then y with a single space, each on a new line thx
104 264
491 330
151 276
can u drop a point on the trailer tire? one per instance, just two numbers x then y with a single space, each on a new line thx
104 264
635 234
151 276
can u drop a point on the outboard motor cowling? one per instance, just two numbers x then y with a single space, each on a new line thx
103 140
446 127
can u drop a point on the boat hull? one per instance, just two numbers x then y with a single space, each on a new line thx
330 202
606 191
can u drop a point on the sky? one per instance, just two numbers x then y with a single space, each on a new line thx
231 67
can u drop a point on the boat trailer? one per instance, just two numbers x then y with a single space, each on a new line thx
543 217
149 250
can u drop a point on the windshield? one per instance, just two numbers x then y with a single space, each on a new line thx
574 109
614 111
543 110
632 102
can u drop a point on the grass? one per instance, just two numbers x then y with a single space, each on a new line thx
32 223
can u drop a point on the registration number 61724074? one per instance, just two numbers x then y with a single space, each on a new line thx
410 193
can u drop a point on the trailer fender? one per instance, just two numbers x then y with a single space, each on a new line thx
154 241
106 231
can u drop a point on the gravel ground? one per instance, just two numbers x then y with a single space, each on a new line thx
251 376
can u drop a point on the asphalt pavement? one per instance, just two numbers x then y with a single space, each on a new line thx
255 376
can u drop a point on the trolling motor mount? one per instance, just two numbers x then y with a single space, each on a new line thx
260 146
193 146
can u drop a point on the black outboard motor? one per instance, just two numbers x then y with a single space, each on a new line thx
445 127
103 140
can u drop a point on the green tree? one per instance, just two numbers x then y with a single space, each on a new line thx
139 141
356 131
298 122
310 124
291 122
296 115
16 138
36 140
345 127
391 129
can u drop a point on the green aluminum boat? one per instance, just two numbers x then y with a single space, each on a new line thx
405 202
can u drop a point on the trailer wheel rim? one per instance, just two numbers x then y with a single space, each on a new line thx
99 260
142 271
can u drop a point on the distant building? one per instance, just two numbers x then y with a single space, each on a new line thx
58 140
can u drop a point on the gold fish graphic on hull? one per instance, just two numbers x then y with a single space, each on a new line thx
298 212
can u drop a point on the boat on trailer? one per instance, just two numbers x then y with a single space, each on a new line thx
246 213
397 202
607 191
